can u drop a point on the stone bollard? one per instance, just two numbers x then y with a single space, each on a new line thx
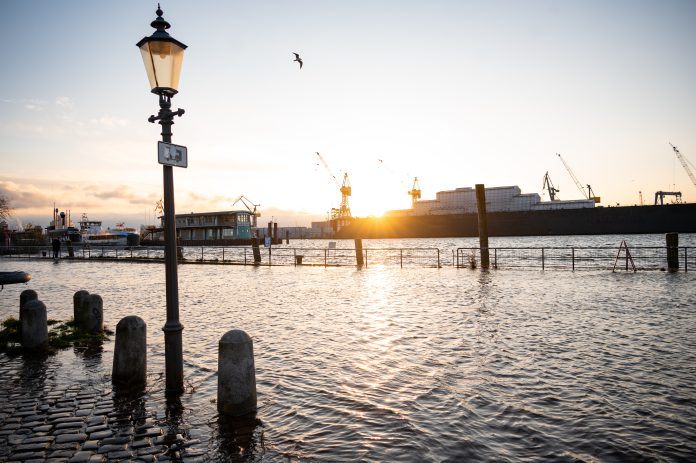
672 251
88 312
26 296
359 253
34 325
236 374
130 355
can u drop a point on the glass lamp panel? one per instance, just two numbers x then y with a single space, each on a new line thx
163 62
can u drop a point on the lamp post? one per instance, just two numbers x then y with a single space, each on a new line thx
162 56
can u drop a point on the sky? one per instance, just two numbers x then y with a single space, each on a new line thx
452 92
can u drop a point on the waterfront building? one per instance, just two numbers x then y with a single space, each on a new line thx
498 199
214 226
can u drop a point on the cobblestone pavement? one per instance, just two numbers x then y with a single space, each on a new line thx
44 420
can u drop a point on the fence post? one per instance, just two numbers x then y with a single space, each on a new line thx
325 259
542 258
438 257
686 260
495 257
573 257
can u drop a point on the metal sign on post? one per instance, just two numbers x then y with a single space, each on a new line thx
172 155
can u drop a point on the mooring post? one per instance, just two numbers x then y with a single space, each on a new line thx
672 251
26 296
256 250
34 325
236 374
130 353
359 252
88 312
482 225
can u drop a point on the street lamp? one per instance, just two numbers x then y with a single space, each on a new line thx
163 56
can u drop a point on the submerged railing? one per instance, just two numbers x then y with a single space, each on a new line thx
529 258
244 255
576 258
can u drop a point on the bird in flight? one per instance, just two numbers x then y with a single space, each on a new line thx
298 59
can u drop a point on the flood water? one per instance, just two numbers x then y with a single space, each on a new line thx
412 364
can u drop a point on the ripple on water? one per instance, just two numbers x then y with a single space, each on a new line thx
386 364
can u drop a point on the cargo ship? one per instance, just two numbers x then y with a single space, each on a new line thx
454 213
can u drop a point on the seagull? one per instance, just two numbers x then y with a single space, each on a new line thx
298 59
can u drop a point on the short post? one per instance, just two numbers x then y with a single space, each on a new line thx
359 252
34 325
130 354
672 251
26 296
88 311
236 374
256 250
71 252
287 236
482 225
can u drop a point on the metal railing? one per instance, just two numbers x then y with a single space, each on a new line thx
542 258
243 255
575 258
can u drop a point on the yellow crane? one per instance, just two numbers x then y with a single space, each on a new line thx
590 194
415 192
343 211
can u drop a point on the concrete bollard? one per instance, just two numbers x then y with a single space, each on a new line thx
359 253
236 374
482 225
130 353
26 296
672 251
34 325
88 312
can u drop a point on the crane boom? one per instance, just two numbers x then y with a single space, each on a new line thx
572 175
682 159
328 169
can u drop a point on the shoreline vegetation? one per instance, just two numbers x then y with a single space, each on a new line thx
61 335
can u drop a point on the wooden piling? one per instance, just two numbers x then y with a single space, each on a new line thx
256 250
482 225
236 374
672 240
359 252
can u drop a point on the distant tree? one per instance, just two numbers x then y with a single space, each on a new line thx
4 207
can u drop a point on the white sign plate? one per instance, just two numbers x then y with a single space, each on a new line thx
172 155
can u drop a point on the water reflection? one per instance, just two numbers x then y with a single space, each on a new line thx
33 372
239 439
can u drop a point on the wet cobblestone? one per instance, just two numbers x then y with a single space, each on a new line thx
86 422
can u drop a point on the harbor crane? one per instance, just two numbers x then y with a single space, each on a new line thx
590 194
548 185
662 194
249 204
415 192
343 211
684 163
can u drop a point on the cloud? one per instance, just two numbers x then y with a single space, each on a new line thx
110 121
